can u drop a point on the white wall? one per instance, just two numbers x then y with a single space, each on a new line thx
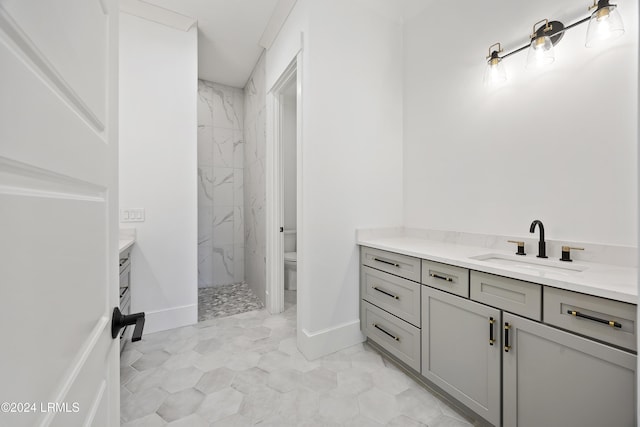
158 96
254 186
351 155
558 145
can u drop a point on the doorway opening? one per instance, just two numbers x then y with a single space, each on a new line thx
284 257
289 190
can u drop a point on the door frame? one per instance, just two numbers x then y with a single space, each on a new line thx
274 294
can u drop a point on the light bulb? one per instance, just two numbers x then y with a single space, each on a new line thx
495 73
540 53
605 24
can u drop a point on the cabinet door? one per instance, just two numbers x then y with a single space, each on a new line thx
554 378
457 354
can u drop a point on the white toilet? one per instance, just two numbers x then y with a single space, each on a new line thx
290 260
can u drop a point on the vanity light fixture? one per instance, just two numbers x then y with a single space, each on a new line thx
605 23
541 48
495 72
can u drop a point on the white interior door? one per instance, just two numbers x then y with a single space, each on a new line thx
58 212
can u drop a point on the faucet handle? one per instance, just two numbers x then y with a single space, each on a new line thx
520 246
566 253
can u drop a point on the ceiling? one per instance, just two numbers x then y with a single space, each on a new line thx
231 34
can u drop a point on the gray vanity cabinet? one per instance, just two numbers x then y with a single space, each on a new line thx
461 350
555 378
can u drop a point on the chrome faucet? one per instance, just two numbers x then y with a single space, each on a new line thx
542 246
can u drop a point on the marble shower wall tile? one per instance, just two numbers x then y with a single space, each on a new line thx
254 178
220 184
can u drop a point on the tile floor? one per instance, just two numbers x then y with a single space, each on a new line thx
226 300
245 370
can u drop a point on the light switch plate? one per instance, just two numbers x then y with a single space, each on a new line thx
132 215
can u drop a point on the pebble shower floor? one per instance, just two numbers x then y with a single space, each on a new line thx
226 300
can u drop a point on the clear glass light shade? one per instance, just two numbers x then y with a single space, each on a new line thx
605 24
495 73
540 52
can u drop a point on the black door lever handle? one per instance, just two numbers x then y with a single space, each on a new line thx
120 320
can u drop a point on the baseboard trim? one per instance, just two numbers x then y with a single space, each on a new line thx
326 341
170 318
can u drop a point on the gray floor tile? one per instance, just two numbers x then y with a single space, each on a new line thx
273 361
392 381
129 355
250 381
362 421
147 379
181 360
151 420
151 360
320 380
181 379
419 405
404 421
284 380
236 420
181 345
243 361
246 370
193 420
215 380
142 404
354 381
378 405
181 404
127 373
260 405
220 404
338 408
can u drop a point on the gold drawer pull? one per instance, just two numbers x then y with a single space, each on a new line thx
389 334
437 276
390 295
384 261
611 323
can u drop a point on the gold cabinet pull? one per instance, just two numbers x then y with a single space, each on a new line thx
384 261
388 333
507 347
437 276
491 339
611 323
390 295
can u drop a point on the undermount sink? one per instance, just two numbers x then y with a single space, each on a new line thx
537 264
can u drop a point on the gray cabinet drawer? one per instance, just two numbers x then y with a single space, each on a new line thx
512 295
446 277
396 336
400 265
559 306
396 295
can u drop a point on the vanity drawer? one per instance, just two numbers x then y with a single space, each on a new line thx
511 295
559 306
396 336
398 296
445 277
400 265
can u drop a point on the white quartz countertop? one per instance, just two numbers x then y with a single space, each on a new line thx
126 243
607 281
